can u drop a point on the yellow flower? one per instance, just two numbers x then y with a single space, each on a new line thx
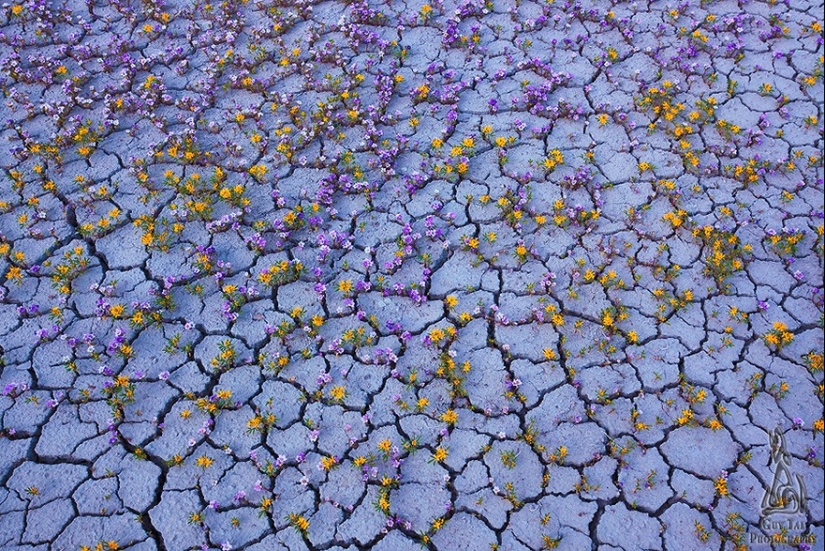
137 318
450 417
440 455
815 361
204 461
721 485
258 171
338 393
553 160
15 274
436 335
299 522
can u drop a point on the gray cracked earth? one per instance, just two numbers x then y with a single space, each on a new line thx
460 276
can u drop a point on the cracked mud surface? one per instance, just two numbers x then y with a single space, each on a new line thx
361 275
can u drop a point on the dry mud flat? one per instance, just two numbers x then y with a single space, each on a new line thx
458 276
